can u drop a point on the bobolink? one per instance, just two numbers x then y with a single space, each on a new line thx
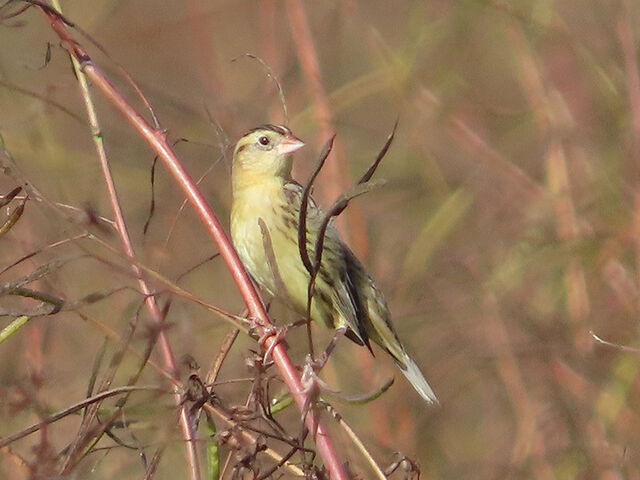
344 294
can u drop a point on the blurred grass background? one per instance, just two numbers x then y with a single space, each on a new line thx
507 233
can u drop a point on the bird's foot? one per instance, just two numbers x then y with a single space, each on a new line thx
312 387
311 382
321 361
276 335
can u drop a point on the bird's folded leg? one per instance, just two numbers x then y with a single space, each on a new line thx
320 362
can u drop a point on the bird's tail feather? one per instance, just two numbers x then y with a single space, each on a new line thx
416 378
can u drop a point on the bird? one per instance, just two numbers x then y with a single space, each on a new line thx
265 196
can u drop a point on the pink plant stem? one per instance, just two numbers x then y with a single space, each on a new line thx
158 142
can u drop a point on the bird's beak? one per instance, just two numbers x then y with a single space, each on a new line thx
289 144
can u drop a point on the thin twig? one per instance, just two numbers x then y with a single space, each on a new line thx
363 186
5 199
43 249
336 209
151 468
235 320
38 273
372 169
214 370
617 346
43 98
357 442
13 327
183 205
302 234
304 204
271 74
12 219
267 244
75 407
282 461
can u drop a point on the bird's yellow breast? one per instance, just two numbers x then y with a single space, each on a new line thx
265 200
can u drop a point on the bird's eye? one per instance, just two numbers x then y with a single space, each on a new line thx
264 140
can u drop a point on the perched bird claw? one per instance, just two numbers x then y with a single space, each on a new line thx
274 332
320 362
311 382
312 386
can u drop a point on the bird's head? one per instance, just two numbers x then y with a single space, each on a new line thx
266 150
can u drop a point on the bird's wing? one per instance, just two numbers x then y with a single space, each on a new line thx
360 336
334 272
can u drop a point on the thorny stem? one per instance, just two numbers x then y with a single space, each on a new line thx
158 142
